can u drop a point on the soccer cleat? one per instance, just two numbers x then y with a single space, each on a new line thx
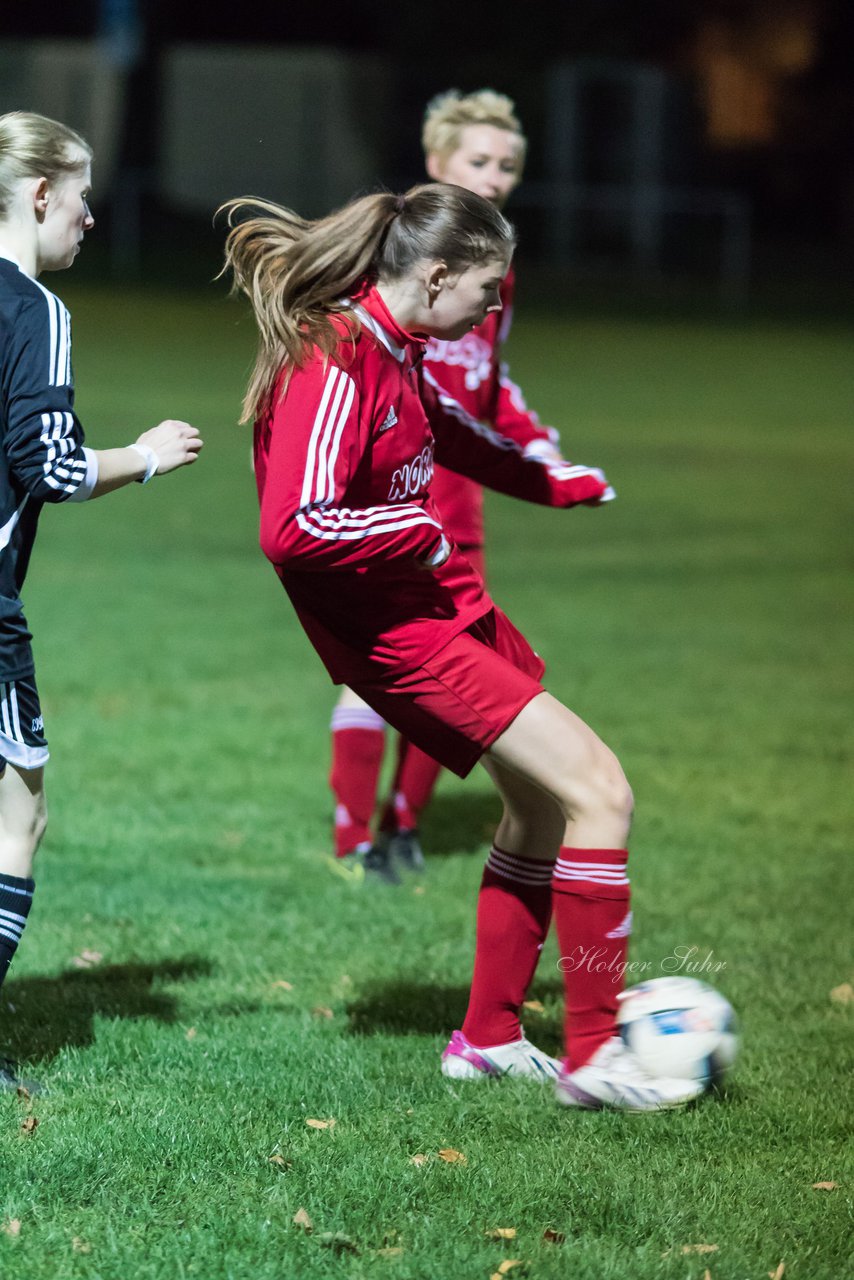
520 1058
405 849
11 1082
379 866
614 1078
371 863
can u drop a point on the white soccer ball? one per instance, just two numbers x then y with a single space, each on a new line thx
679 1027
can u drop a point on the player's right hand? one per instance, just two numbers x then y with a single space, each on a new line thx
578 485
176 444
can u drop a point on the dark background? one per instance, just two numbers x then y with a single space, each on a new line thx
791 154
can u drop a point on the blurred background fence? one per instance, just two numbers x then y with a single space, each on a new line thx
708 147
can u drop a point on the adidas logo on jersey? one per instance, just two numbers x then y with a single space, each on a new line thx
389 422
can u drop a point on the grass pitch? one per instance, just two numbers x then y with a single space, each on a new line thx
197 986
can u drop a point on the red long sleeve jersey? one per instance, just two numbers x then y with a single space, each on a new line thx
472 372
344 462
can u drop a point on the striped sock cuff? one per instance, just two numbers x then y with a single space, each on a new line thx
16 898
600 872
511 866
356 718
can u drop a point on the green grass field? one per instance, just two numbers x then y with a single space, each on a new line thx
701 624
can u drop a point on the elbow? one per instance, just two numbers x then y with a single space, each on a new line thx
276 546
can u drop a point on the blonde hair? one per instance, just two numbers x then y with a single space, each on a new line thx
449 113
298 274
32 146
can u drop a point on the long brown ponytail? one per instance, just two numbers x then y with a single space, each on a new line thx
298 274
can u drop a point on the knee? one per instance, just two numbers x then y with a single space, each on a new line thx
616 793
601 790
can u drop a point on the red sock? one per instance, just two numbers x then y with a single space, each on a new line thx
358 740
593 922
513 913
415 777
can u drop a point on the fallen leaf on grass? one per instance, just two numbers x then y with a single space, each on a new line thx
282 985
779 1273
191 1033
321 1124
337 1242
843 994
79 1245
12 1227
505 1267
419 891
87 959
28 1126
450 1156
553 1237
418 1159
281 1161
501 1233
825 1186
534 1006
692 1248
301 1219
322 1011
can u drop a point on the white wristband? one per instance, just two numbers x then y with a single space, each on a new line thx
150 458
439 556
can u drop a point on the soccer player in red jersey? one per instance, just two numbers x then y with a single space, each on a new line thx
347 427
475 141
45 181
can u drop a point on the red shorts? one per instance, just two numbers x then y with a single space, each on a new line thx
462 699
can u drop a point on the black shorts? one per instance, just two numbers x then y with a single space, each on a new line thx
22 740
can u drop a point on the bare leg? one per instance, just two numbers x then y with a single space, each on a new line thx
547 745
23 819
532 824
347 698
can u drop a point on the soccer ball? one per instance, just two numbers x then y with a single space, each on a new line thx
679 1027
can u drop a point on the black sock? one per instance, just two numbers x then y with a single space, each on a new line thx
16 898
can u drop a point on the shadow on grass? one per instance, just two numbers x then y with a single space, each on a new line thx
405 1007
461 823
47 1014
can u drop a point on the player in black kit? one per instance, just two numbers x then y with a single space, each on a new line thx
44 213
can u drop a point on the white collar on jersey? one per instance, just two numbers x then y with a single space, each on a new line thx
378 331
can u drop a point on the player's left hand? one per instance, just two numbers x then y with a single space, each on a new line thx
176 444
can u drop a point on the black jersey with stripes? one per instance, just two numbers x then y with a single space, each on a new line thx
42 457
